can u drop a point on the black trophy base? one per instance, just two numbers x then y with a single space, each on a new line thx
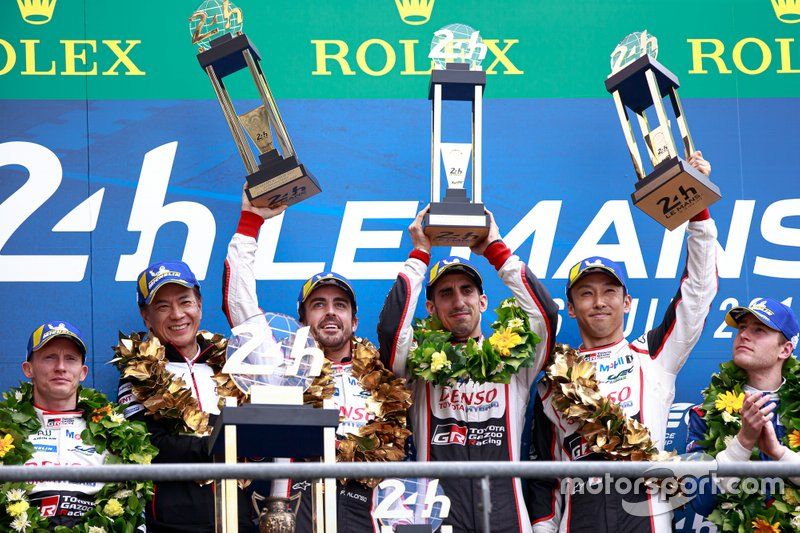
458 82
674 192
280 181
456 222
274 430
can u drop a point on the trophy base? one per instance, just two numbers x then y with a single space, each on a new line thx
456 223
674 192
280 181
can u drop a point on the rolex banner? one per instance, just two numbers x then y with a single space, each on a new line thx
114 153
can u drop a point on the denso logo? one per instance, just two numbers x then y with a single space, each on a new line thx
354 413
457 397
450 434
482 404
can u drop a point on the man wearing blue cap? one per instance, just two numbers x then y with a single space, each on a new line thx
171 306
467 420
639 376
327 305
55 366
767 335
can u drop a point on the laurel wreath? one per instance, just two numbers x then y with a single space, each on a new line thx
722 401
168 398
602 423
383 437
512 345
118 506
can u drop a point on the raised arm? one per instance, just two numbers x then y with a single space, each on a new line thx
395 334
239 297
530 293
671 341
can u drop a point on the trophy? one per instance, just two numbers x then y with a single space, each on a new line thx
457 52
276 177
674 191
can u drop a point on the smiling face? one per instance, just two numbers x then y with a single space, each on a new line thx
329 312
55 370
458 303
174 317
758 348
599 304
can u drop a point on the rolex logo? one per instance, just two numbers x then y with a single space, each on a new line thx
416 12
787 11
36 11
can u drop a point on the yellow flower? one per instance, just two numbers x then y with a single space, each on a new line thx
794 439
505 339
17 508
439 361
113 508
6 445
762 526
98 414
729 401
790 496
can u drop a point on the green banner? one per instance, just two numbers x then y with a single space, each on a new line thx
103 49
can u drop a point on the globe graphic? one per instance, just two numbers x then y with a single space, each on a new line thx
275 335
634 42
410 507
213 24
456 40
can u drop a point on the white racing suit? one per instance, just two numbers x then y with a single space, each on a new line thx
470 421
58 443
240 302
640 376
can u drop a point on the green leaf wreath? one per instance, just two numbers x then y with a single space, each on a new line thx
722 401
118 506
511 346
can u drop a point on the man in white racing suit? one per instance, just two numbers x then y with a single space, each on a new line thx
55 366
327 304
639 376
468 421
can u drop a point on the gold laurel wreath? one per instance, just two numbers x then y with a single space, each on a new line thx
603 424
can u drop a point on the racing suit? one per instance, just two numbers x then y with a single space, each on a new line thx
58 443
470 421
183 506
240 302
640 377
705 500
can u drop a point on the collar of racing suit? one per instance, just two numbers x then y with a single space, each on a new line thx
174 356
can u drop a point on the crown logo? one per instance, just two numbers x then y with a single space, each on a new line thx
787 11
417 12
36 11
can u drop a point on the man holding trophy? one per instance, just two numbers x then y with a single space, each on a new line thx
634 380
465 410
327 303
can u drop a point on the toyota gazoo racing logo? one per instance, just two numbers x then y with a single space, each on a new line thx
447 434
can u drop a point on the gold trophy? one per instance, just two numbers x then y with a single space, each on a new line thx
276 176
674 191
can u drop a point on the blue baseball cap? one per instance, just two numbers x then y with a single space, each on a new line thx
772 314
594 264
53 330
159 274
325 278
449 265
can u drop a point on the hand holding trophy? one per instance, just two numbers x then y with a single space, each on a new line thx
276 177
457 52
674 191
